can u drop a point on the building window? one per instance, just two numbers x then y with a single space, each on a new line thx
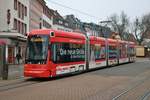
25 11
25 28
22 11
40 25
44 10
11 57
66 24
60 22
46 24
15 24
19 10
22 28
15 4
18 23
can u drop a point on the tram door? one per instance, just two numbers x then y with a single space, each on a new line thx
92 63
1 59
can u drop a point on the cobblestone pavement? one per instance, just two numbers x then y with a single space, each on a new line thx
124 82
141 59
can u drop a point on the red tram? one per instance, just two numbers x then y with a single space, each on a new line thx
51 53
97 54
112 52
131 52
123 56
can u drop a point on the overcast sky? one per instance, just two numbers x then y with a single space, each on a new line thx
100 9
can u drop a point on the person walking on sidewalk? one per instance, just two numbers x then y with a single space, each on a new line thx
18 56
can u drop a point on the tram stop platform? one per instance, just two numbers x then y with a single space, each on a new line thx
14 72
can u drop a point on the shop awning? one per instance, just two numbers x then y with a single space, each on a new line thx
13 35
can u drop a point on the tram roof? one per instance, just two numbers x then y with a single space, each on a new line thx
122 41
133 43
94 38
112 40
58 33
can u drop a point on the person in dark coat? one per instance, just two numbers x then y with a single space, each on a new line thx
18 56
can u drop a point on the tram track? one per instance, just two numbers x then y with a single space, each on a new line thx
132 87
146 96
18 84
20 81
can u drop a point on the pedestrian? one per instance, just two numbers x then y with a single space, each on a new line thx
18 56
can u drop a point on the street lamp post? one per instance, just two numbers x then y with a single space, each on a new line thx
106 23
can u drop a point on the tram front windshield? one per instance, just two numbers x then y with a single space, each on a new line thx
37 49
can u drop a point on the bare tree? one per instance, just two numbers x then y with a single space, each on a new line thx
141 28
146 25
136 31
119 24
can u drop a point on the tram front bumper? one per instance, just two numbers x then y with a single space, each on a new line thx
37 73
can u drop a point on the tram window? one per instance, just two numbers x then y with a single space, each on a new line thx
67 52
97 51
123 51
132 51
112 52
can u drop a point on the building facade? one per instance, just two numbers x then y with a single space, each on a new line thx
47 18
14 18
35 14
40 15
59 23
92 29
74 23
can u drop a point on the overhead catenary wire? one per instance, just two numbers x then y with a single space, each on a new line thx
67 7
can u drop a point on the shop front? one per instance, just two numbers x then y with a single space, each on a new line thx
11 44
